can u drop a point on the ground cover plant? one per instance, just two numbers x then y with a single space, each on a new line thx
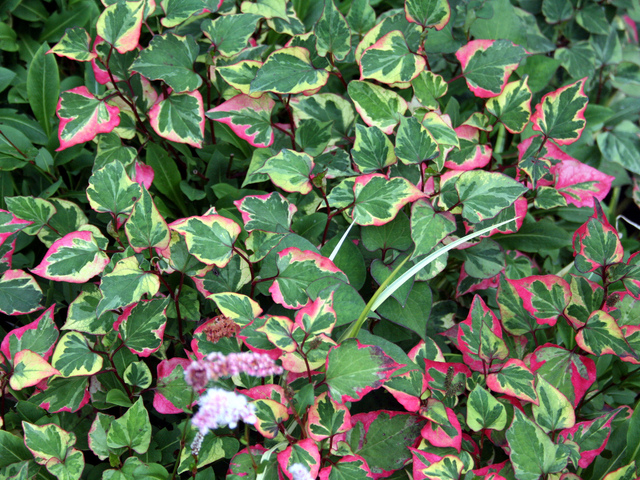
335 239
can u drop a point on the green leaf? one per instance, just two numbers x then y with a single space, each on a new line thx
533 454
12 449
177 11
428 227
145 226
390 61
81 315
19 293
513 106
487 64
414 143
210 238
378 199
83 116
76 258
554 411
120 23
556 11
170 58
560 114
332 32
112 191
74 44
240 75
43 86
229 34
68 218
484 194
484 411
289 70
313 137
73 356
325 107
32 209
137 374
125 285
180 118
353 370
132 430
249 118
622 146
392 235
142 327
376 105
372 149
578 59
429 14
592 18
290 171
414 314
397 21
167 176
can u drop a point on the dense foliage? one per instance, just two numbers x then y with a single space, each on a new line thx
336 239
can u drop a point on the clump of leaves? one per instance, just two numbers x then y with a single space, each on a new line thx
410 207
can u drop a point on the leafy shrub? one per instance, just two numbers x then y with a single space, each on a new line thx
357 239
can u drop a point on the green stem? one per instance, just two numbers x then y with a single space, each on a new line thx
613 205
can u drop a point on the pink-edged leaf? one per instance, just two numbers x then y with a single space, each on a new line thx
543 296
350 466
443 428
513 106
83 116
210 238
586 297
383 439
143 175
596 243
10 224
314 357
326 418
63 394
468 284
591 436
120 23
270 212
487 65
249 118
426 349
74 44
317 316
560 114
354 369
436 373
514 379
279 331
290 171
268 392
29 368
408 388
256 340
515 318
480 334
429 14
570 373
471 154
209 337
580 184
270 416
379 199
180 118
448 467
38 336
297 269
75 258
304 452
601 335
141 326
19 293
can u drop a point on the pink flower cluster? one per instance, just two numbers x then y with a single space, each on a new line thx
217 365
219 408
